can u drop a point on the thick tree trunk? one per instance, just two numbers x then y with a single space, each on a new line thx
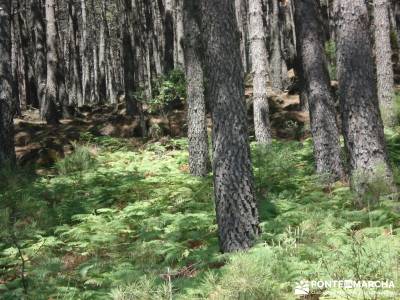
317 82
49 111
196 118
259 58
361 120
236 209
7 152
276 53
384 67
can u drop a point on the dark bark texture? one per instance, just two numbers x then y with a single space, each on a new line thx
7 153
129 60
40 54
259 57
49 108
236 209
384 68
361 120
310 48
196 118
276 54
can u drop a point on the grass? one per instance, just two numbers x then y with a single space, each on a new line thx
133 224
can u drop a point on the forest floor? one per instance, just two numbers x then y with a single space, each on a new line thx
42 145
118 218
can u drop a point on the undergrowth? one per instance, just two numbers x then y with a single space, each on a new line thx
117 223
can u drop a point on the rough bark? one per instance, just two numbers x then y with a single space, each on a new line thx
236 209
259 58
276 53
128 60
317 83
241 17
168 36
102 53
178 20
396 11
21 72
76 81
384 67
49 111
29 76
15 64
7 152
40 55
85 56
361 120
196 117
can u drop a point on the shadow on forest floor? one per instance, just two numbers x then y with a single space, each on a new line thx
42 145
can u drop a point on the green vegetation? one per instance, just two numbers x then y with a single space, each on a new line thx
110 222
166 89
330 50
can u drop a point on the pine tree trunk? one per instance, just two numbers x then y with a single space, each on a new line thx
179 55
21 73
102 53
396 9
276 55
49 111
14 66
241 17
85 56
128 59
95 54
197 123
317 82
237 214
61 70
7 152
156 35
259 58
40 57
76 78
361 120
384 67
169 36
29 76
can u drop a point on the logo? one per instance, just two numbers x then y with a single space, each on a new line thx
302 288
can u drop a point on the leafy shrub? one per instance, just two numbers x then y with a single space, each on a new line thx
78 161
166 90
